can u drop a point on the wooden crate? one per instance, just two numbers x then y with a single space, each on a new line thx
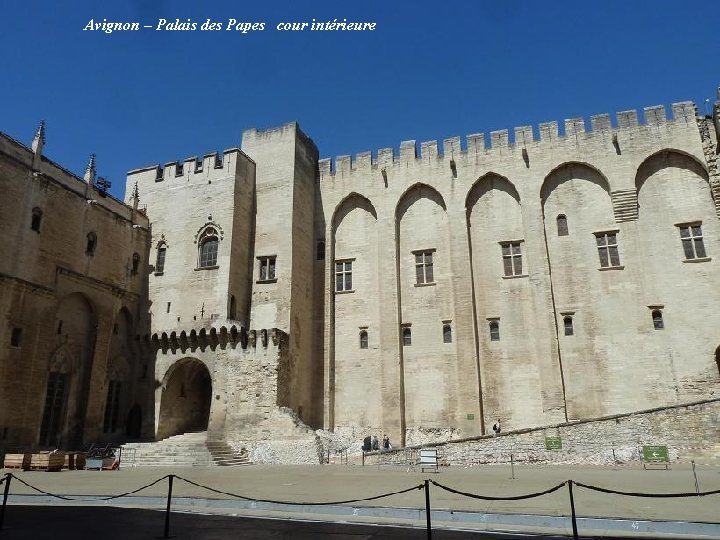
75 461
18 461
47 461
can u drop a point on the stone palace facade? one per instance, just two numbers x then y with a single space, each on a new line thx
262 293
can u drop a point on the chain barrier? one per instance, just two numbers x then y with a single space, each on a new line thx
421 486
424 486
66 498
488 498
649 495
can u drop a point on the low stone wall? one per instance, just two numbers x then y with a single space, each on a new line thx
691 432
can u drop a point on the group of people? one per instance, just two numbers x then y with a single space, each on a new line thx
371 443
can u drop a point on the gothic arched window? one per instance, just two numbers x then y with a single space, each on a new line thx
208 250
91 244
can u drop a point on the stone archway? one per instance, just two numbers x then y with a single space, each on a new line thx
185 400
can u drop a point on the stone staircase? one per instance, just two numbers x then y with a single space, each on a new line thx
225 456
186 450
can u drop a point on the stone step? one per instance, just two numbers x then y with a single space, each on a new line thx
226 456
187 449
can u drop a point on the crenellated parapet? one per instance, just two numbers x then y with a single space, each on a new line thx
218 336
205 168
601 128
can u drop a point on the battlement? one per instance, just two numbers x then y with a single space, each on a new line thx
218 335
194 165
574 131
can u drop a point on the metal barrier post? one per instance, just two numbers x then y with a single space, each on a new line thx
8 477
512 467
697 486
427 509
573 517
167 509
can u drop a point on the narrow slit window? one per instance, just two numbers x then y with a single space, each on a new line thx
135 263
91 244
15 337
568 325
36 220
320 250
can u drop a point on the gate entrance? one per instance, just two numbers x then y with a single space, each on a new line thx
186 398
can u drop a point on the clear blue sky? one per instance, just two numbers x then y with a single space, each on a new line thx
430 70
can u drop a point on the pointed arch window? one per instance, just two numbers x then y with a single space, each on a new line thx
160 259
91 244
208 248
562 225
135 263
36 219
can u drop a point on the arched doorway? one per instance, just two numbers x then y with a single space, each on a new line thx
717 358
186 398
133 428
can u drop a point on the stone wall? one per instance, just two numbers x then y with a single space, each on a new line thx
691 432
79 308
636 184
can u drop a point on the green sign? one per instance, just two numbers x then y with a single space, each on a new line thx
655 453
471 417
553 443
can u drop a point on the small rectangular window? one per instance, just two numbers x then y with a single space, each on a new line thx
407 336
447 333
607 245
512 258
363 339
692 241
343 276
494 327
424 267
267 268
36 219
15 337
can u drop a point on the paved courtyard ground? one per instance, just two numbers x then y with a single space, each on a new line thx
333 483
